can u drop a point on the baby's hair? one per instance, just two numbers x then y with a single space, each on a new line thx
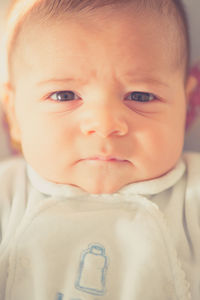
22 11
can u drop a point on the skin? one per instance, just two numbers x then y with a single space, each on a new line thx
101 119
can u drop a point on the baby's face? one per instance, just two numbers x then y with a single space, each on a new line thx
98 101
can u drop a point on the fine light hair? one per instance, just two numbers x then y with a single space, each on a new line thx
23 11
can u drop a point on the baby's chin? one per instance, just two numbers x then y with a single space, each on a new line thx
104 186
103 180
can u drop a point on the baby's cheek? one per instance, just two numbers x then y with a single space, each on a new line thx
163 140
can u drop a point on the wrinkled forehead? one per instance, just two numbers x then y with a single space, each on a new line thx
97 21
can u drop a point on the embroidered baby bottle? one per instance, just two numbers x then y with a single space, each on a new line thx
92 270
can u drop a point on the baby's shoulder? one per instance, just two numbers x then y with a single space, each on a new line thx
192 178
192 162
10 167
12 177
13 182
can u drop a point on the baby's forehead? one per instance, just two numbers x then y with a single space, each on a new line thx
102 16
73 47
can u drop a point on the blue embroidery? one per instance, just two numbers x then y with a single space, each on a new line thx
59 296
92 271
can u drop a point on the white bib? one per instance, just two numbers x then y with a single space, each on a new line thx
94 247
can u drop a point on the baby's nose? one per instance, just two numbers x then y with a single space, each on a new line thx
104 121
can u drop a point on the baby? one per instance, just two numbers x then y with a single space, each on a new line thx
103 205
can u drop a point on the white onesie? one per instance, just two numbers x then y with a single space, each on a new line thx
61 243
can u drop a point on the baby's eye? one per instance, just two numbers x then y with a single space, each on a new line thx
63 96
141 96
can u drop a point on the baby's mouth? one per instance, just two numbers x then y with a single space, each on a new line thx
106 159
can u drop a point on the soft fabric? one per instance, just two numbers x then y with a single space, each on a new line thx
61 243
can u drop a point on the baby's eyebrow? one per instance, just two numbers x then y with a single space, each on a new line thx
132 78
144 79
61 80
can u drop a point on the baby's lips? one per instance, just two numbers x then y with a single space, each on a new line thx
105 158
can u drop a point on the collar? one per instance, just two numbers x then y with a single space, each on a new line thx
148 187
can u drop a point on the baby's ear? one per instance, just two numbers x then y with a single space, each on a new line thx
8 105
191 84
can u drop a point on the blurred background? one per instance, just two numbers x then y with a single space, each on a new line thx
192 139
